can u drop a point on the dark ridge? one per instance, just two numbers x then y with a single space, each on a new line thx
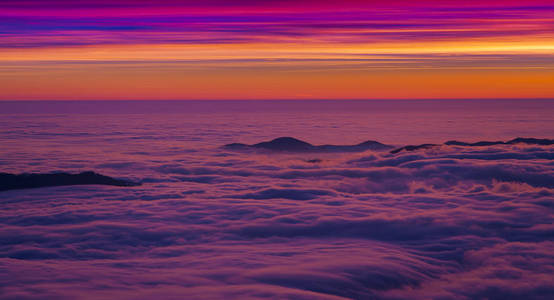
413 148
531 141
314 161
285 144
290 144
482 143
519 140
28 181
236 147
528 141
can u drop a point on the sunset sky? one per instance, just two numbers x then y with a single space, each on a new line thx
215 49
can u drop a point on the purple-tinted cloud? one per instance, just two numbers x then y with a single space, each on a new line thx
27 25
452 222
447 222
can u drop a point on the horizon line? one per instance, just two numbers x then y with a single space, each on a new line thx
286 99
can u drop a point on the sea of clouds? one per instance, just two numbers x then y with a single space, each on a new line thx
450 222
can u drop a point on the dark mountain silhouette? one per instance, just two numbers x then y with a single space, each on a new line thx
314 161
285 144
26 181
519 140
413 148
482 143
290 144
531 141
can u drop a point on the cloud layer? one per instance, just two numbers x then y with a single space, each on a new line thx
448 222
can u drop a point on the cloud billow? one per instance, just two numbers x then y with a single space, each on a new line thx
450 222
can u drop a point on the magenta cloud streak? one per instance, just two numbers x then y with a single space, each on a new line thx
70 23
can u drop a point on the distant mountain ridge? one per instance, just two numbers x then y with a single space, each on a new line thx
26 181
519 140
290 144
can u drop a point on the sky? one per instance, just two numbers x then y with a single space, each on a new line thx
215 49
